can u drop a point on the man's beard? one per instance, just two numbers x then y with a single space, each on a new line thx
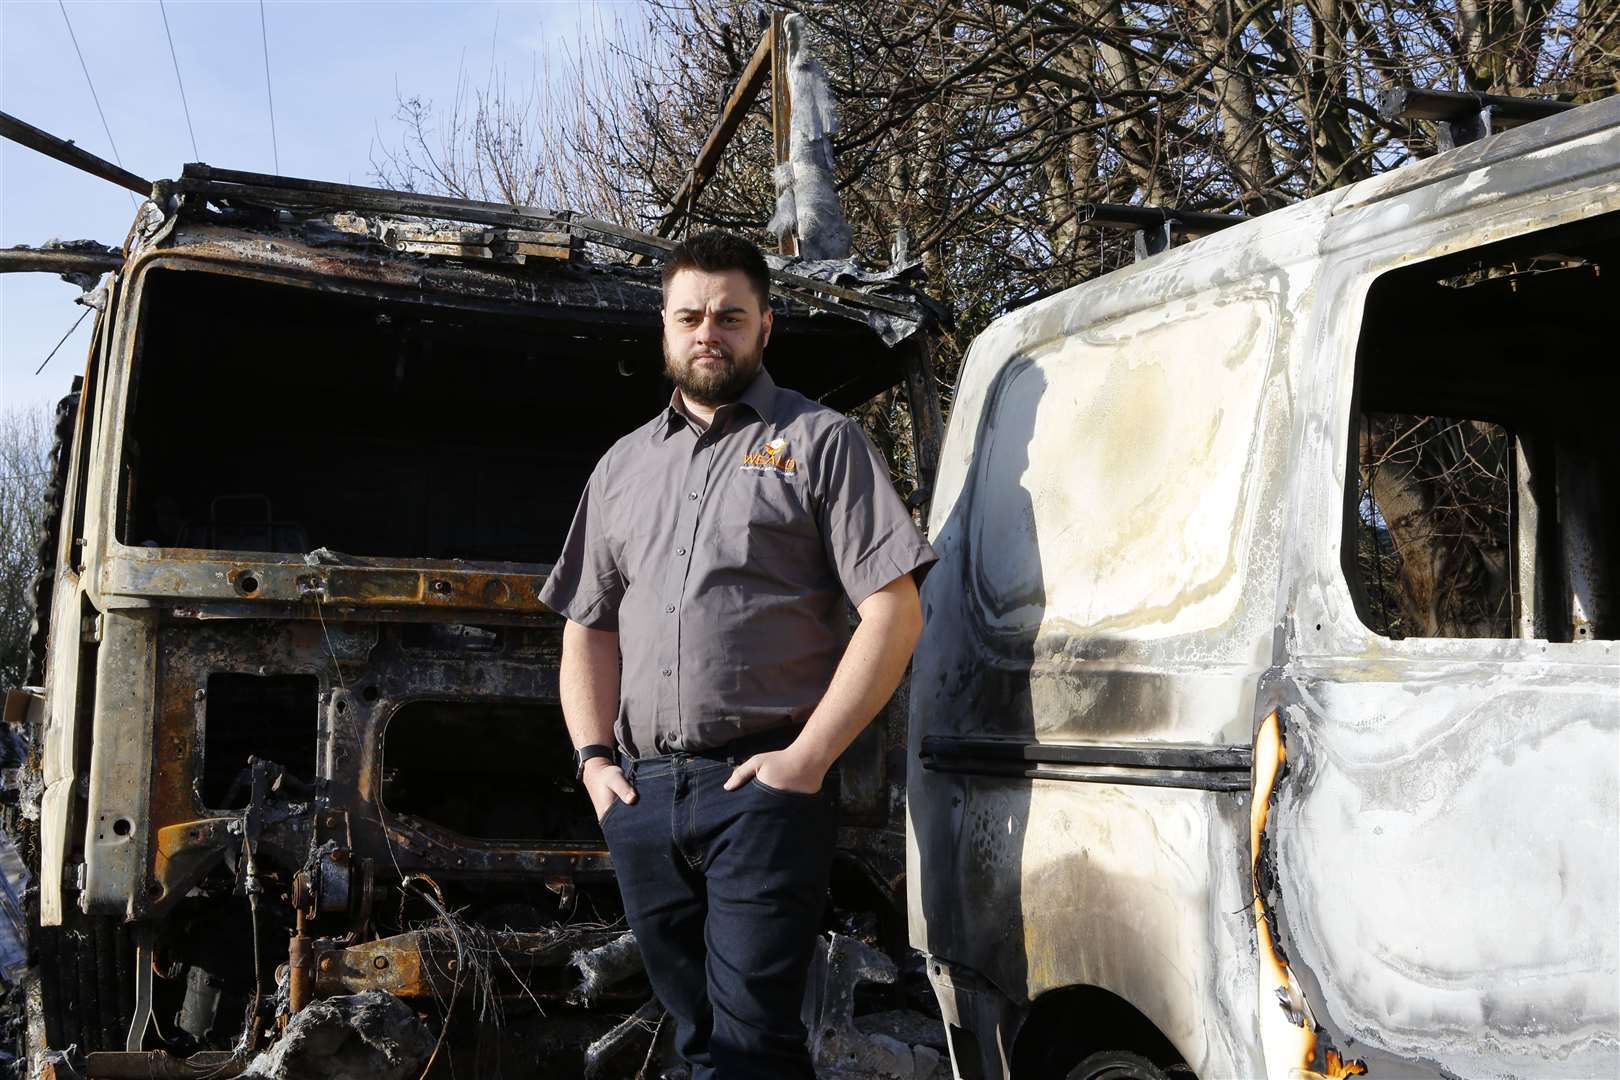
715 384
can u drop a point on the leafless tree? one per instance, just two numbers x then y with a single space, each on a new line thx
980 129
1434 544
25 444
975 132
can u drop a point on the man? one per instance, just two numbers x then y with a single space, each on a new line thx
711 557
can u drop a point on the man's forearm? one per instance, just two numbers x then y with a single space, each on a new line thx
872 666
588 683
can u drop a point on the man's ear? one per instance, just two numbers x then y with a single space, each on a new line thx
765 322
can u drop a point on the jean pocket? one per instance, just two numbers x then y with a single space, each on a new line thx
763 786
601 822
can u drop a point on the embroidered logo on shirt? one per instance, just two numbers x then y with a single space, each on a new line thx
772 457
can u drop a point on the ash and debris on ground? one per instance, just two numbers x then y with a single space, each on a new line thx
366 1036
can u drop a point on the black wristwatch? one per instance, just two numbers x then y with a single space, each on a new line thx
585 753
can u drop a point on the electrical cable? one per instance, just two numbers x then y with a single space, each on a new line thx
184 104
264 40
65 336
93 95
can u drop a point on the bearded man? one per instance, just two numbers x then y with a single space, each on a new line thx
709 677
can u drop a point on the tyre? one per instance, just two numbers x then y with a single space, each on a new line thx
1116 1065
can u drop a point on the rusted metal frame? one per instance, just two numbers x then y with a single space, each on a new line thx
26 134
189 849
315 196
759 68
423 963
461 288
274 194
291 191
781 112
799 286
409 843
24 259
352 585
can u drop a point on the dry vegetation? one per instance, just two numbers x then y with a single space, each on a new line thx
25 444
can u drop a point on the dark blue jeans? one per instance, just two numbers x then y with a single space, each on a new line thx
725 891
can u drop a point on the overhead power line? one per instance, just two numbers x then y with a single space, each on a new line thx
93 95
264 39
184 104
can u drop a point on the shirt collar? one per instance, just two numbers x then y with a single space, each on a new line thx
760 396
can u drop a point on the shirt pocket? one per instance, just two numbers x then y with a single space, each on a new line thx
766 527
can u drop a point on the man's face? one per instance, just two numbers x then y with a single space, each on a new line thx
714 335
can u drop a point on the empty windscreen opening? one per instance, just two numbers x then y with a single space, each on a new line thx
282 419
489 771
1485 494
270 717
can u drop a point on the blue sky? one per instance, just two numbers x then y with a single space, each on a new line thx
334 68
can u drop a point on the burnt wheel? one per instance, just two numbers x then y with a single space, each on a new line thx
1116 1065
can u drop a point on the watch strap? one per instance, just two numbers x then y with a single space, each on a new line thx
585 753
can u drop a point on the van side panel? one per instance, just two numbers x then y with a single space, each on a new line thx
1445 833
1084 693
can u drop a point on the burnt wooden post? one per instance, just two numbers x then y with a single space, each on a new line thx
759 68
781 111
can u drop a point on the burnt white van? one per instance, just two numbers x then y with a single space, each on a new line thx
1266 722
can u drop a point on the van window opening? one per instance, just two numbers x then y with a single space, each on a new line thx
1485 495
275 418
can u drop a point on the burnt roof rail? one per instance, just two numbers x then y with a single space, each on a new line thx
285 192
1157 227
61 257
1462 117
20 131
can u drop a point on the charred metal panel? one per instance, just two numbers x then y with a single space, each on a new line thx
366 676
115 843
1444 834
60 760
1105 518
1405 792
1476 932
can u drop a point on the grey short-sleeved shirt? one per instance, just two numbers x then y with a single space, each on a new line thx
723 560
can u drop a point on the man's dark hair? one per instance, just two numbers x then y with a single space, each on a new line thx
715 252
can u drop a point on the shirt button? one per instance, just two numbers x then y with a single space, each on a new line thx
691 494
667 673
680 551
670 608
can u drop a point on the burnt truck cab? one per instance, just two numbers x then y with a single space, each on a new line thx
1193 788
299 686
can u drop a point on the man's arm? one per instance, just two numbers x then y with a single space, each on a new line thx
867 674
589 687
